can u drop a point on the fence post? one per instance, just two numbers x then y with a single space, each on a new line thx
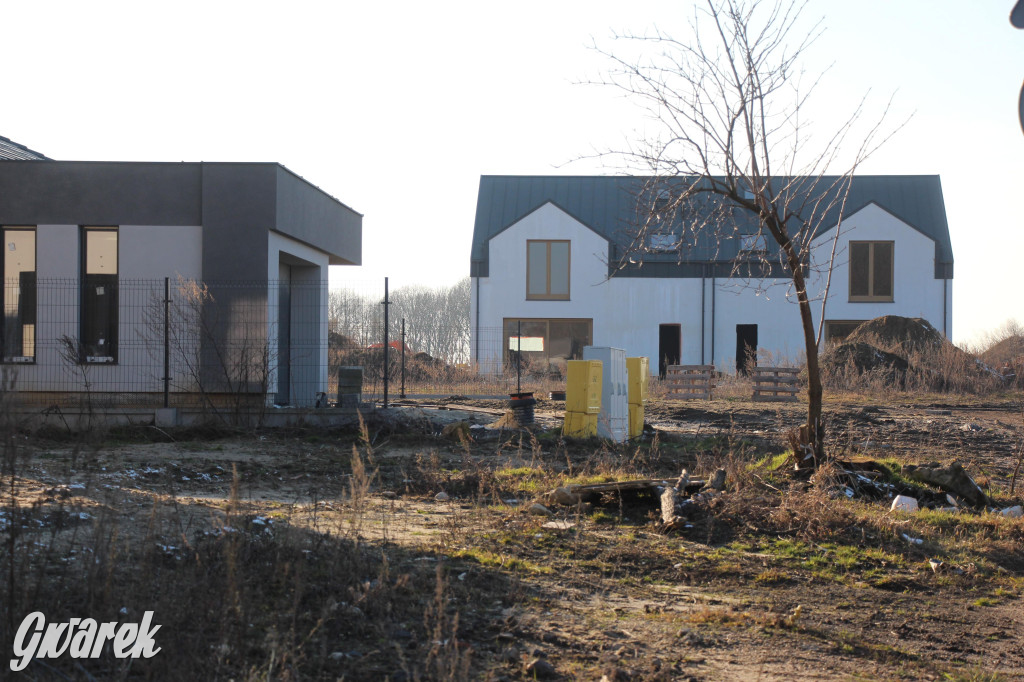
167 341
386 305
402 394
519 355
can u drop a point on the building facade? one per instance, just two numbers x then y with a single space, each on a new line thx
559 263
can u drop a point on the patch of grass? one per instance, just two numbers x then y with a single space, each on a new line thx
727 617
492 559
771 576
975 674
986 601
603 517
771 462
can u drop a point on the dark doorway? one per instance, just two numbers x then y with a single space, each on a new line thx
670 345
746 347
284 336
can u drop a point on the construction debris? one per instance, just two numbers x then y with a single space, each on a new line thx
679 502
904 503
952 479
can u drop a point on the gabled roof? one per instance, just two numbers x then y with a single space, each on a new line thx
16 152
609 206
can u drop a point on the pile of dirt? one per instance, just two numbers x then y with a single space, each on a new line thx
864 357
891 332
904 352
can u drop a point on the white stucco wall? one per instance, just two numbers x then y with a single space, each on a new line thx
627 311
916 292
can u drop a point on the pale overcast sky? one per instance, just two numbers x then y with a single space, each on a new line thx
397 108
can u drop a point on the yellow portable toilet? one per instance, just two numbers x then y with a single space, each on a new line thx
638 370
582 398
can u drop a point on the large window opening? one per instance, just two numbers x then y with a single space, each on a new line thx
546 345
18 331
98 333
871 271
547 270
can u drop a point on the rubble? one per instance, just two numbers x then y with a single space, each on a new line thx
952 479
904 503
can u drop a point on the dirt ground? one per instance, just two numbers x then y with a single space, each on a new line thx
605 594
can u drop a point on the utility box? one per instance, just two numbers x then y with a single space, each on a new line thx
350 386
613 420
639 373
583 386
580 425
636 420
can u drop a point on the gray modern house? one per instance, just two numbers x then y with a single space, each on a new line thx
219 270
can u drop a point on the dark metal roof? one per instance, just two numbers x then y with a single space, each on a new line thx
14 151
609 206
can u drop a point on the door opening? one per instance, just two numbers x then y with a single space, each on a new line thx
670 346
284 336
746 347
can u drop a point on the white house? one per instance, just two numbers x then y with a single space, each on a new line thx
555 267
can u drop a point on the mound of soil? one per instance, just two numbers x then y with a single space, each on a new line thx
864 357
890 332
898 349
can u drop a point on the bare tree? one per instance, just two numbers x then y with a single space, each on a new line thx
731 148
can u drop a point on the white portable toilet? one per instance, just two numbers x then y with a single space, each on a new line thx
613 421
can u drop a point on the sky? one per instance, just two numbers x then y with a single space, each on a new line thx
398 108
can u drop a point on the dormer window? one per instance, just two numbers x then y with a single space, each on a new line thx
663 243
753 244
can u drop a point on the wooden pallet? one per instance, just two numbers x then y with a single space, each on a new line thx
689 382
775 384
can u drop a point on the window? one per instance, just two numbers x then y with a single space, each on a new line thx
98 320
871 271
753 244
547 270
663 243
18 331
837 330
546 345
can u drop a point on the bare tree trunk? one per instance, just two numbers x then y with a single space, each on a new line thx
812 435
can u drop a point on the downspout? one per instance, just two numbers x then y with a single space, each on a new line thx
703 298
945 328
476 351
712 317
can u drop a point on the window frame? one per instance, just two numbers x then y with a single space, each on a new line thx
6 358
547 295
85 357
871 297
830 337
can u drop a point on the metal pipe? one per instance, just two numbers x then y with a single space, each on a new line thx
167 341
402 394
945 329
703 297
477 349
519 355
712 317
386 304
